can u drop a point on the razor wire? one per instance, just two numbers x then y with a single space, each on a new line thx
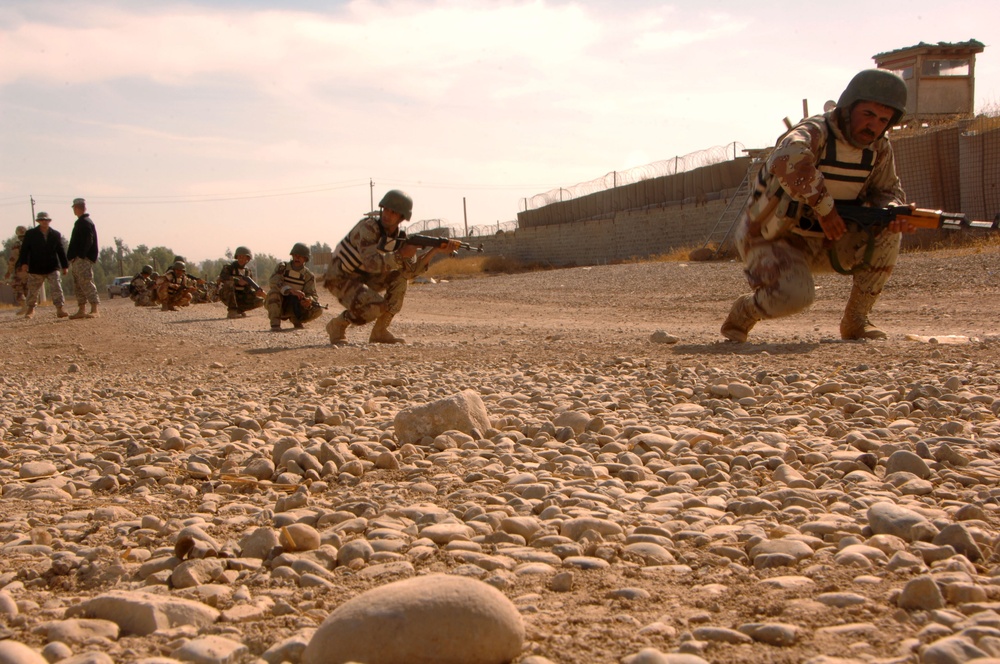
613 179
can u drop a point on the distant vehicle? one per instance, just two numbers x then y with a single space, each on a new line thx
119 287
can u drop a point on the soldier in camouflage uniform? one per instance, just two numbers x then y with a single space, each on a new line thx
82 253
18 281
142 287
371 268
41 259
235 289
175 287
291 291
790 223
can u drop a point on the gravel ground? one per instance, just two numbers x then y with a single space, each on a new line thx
785 500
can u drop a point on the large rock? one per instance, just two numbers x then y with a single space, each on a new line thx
15 652
891 519
463 412
434 619
143 613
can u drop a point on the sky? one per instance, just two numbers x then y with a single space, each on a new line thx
210 124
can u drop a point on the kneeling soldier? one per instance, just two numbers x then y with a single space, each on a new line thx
291 291
175 288
141 288
237 288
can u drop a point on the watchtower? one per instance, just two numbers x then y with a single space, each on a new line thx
940 78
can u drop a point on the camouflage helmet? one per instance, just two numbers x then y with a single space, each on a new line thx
399 202
242 251
20 231
147 269
300 249
877 85
178 265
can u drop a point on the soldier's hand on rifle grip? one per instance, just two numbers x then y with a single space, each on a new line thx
408 251
898 225
833 225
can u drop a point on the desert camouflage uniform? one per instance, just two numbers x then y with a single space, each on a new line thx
142 290
779 237
18 280
283 306
174 290
238 298
364 265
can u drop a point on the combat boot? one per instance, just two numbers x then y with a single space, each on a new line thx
163 307
93 311
23 310
233 313
855 323
80 313
29 312
60 312
381 334
337 329
742 317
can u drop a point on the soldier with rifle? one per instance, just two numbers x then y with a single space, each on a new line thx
291 293
175 287
372 266
791 227
237 289
142 287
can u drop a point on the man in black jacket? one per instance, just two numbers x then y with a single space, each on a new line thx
43 257
82 254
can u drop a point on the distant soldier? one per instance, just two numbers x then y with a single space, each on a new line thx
41 259
175 287
371 268
291 291
141 289
82 255
237 287
18 281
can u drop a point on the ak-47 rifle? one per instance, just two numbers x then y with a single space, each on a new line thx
874 220
437 242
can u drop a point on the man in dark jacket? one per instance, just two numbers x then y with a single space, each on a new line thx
43 257
82 254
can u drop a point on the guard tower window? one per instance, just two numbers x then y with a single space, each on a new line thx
905 73
945 68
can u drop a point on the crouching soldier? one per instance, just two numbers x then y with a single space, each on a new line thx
291 291
141 288
371 268
175 287
237 288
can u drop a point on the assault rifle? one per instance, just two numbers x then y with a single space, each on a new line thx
250 282
437 242
874 220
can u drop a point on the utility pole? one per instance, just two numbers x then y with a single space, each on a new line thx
371 195
32 199
465 214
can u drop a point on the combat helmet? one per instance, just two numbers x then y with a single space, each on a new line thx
179 265
20 231
399 202
300 249
242 251
147 269
877 85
